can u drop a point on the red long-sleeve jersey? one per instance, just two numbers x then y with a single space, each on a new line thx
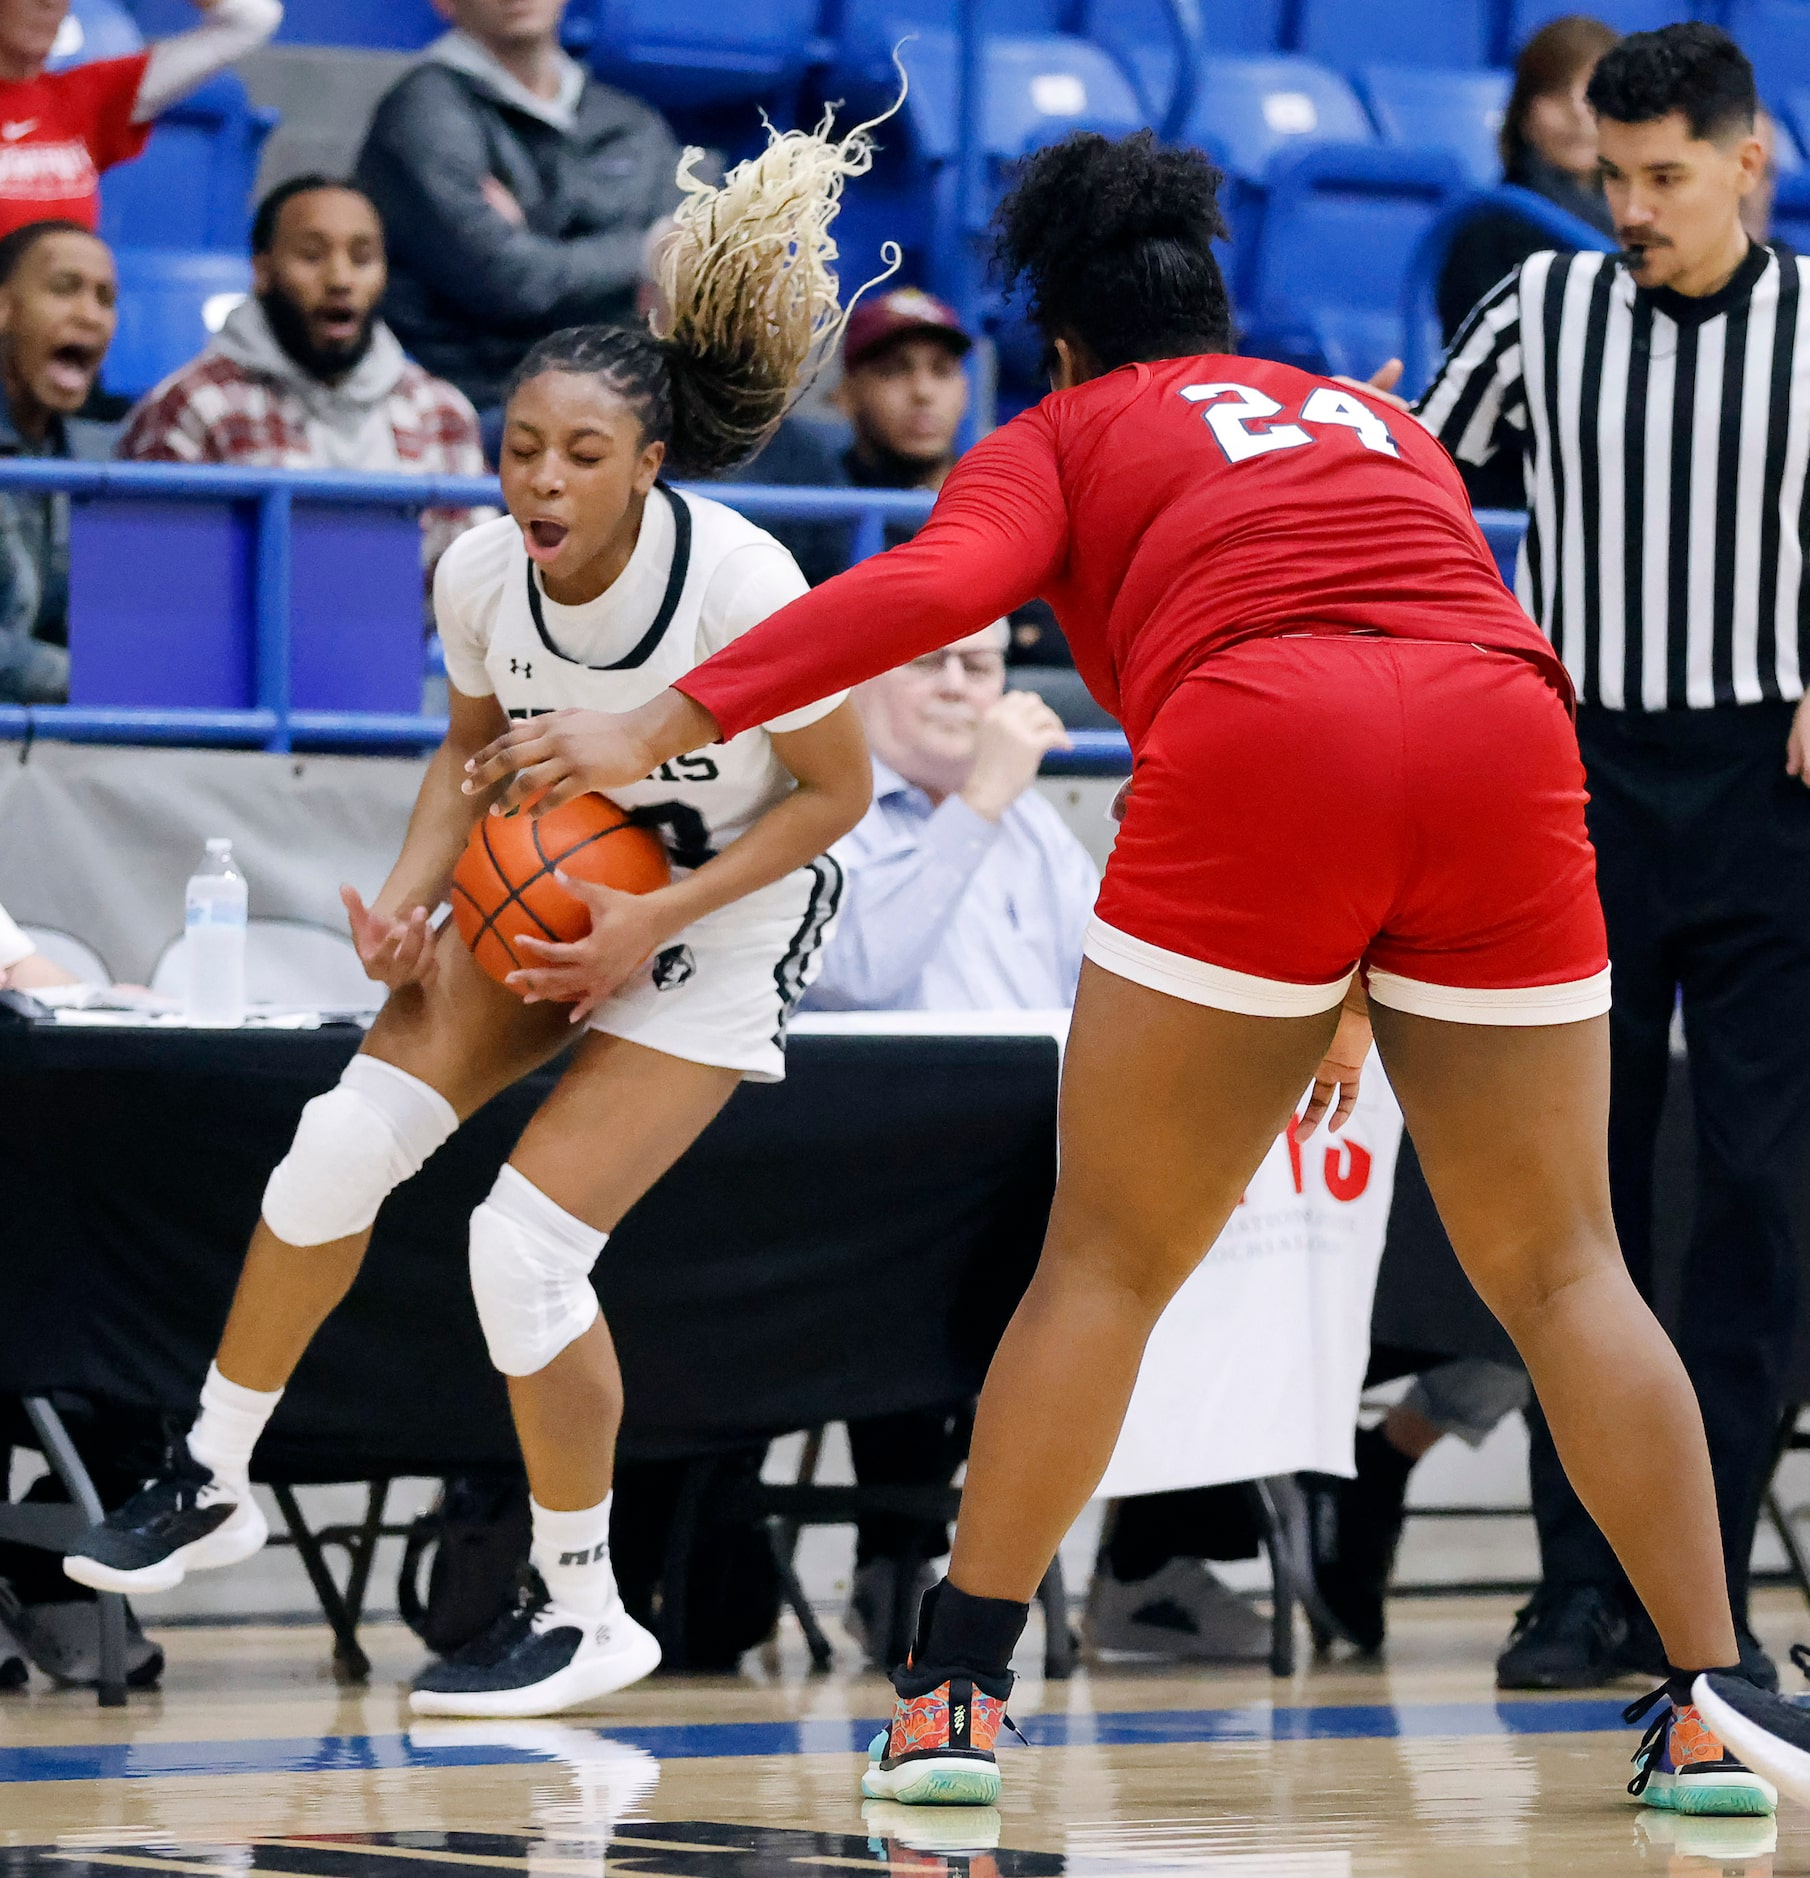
1165 511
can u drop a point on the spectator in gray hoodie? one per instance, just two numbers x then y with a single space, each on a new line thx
520 193
304 375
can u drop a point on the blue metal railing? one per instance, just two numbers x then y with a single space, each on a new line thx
274 724
270 495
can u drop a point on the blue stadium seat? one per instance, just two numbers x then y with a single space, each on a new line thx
869 29
192 187
394 25
1244 25
1348 33
1775 34
95 29
169 305
1037 89
1138 34
1526 17
1456 111
1340 227
1248 112
686 53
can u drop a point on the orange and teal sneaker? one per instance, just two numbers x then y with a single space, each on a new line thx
938 1748
1682 1767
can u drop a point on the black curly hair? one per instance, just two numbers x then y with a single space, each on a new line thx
1116 242
695 406
1690 67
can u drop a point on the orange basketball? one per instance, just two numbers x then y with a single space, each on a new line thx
503 886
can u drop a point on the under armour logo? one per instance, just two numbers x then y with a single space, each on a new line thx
585 1555
521 668
673 967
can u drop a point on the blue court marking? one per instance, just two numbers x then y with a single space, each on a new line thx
150 1760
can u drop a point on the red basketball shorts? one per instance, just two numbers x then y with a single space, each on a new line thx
1309 804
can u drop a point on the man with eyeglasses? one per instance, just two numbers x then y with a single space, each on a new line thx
965 892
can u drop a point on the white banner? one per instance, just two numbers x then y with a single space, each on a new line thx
1256 1366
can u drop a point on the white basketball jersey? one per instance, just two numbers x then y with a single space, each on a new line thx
700 576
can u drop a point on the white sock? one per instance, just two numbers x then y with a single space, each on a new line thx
571 1552
227 1429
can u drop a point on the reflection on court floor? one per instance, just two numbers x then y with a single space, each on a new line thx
254 1760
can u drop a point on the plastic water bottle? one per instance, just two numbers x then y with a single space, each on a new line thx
214 932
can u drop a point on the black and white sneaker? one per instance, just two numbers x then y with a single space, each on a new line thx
1770 1734
538 1659
182 1521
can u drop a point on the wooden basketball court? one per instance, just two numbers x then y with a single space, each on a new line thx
252 1760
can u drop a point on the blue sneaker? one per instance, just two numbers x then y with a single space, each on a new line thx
1681 1767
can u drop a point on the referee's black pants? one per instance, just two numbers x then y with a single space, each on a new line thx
1703 860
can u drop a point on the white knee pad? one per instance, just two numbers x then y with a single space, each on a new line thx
356 1144
530 1275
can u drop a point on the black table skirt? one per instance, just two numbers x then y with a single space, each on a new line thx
849 1242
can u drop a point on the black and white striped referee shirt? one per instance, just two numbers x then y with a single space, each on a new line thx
1663 443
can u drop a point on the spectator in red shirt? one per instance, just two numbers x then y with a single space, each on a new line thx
304 375
59 130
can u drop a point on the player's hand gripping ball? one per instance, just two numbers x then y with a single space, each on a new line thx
504 887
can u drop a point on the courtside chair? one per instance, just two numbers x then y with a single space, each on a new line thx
73 954
288 962
1348 33
1426 107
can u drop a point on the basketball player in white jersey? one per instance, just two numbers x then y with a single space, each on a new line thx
598 587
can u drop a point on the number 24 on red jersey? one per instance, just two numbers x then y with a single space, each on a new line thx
1238 416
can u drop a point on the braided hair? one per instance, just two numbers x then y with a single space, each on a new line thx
1116 243
752 301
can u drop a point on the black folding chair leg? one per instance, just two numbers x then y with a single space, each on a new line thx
350 1664
1058 1638
1796 1559
363 1549
60 1452
784 1543
1278 1542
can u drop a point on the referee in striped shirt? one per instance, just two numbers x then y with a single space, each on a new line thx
1659 402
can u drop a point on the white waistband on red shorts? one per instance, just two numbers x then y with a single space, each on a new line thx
1179 976
1200 983
1462 1004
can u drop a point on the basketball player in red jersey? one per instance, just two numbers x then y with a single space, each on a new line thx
1354 770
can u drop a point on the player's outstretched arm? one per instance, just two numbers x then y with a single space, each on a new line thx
394 939
551 759
829 761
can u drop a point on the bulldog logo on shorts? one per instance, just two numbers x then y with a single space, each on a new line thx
673 967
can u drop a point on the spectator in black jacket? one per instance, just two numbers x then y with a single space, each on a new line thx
518 194
1548 144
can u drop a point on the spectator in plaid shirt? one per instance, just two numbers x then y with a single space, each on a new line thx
304 375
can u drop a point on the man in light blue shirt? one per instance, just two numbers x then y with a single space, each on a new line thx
966 891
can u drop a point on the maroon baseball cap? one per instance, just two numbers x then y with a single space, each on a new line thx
882 318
